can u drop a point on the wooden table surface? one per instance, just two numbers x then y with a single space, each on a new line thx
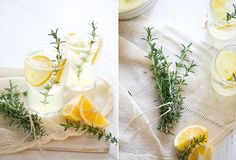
189 17
25 23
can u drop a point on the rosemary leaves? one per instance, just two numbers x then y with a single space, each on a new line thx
230 16
85 58
100 133
169 83
188 149
53 80
12 109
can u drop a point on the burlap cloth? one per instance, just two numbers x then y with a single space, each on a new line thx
14 140
202 104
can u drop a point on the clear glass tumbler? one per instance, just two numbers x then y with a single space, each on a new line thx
223 71
46 76
83 57
219 25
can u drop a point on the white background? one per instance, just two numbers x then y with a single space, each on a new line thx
189 17
24 23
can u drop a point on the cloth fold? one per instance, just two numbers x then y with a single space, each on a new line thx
15 140
202 104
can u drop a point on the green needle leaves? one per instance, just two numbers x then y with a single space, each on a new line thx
169 83
230 16
57 45
13 110
100 133
188 149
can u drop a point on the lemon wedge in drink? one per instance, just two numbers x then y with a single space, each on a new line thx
98 51
185 137
227 26
203 152
59 74
37 76
71 110
226 64
91 114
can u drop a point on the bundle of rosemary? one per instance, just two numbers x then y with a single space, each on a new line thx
169 83
12 109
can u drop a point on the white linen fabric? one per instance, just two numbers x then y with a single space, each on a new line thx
202 104
15 140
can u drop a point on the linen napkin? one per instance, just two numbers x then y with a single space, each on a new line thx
202 104
15 140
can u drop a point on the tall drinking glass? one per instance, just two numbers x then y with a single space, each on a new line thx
83 57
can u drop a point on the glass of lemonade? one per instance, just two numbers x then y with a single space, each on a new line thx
223 72
219 25
46 78
83 57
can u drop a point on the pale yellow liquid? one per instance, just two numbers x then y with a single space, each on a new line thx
125 5
55 101
217 25
220 84
222 87
222 34
35 98
86 79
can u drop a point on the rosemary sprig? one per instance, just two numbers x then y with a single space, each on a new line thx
92 40
57 45
12 109
169 83
234 77
100 133
130 93
188 149
230 16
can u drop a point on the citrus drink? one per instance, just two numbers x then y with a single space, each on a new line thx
218 25
81 74
46 81
223 72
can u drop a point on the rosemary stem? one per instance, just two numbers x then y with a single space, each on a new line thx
87 53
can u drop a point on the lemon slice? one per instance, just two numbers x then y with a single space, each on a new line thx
226 64
71 110
227 26
90 114
59 74
37 76
184 137
220 9
98 51
202 152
